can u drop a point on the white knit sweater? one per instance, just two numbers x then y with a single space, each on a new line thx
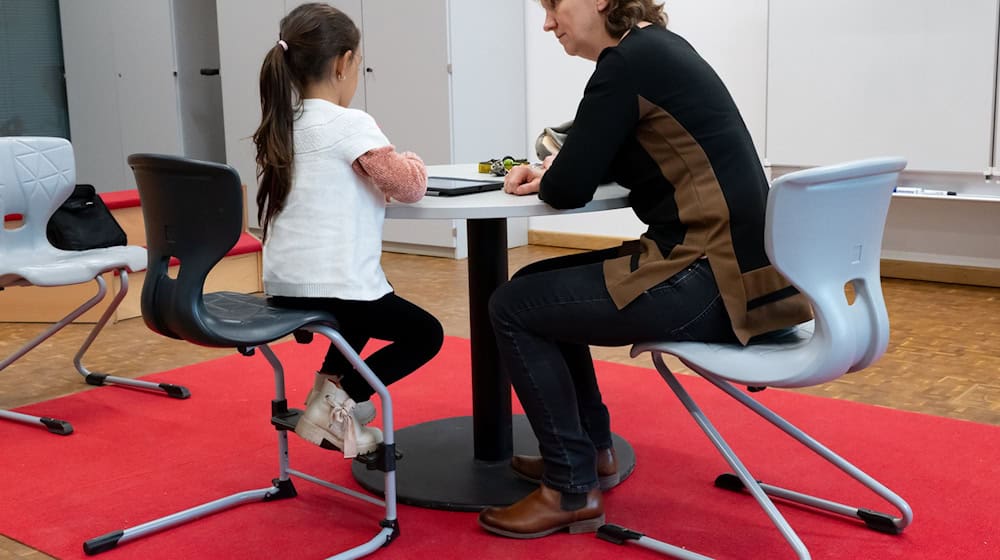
327 241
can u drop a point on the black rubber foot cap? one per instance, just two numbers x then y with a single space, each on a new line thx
102 543
175 391
60 427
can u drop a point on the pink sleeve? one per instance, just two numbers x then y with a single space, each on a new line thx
401 176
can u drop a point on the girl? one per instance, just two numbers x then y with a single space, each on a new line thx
326 173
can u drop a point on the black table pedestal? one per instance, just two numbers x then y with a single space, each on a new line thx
438 471
463 463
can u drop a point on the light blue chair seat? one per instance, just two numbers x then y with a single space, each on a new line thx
761 363
62 268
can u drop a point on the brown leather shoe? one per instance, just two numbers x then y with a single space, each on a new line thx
530 467
540 514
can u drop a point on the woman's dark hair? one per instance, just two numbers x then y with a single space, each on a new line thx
310 37
622 15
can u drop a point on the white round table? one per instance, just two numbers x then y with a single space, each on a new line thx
436 470
494 204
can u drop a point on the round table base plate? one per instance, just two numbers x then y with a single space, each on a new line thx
437 469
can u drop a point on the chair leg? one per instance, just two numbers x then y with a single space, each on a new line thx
386 454
744 480
282 486
99 379
54 425
616 534
882 522
102 289
734 462
62 427
111 540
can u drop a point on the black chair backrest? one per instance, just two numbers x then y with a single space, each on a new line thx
193 211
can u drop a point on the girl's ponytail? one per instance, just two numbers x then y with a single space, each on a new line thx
310 36
274 136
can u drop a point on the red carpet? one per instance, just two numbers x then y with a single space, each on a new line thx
135 457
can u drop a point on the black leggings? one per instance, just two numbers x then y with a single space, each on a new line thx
414 337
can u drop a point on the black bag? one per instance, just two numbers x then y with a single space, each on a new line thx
84 222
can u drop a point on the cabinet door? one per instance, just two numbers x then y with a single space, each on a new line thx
196 33
407 83
147 81
408 91
94 124
121 87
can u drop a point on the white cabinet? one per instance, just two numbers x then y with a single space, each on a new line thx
406 82
133 84
443 78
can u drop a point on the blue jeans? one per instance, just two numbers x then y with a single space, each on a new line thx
546 317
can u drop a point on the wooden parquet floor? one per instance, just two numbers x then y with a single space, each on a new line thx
941 360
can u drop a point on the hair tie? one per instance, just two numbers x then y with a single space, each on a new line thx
283 44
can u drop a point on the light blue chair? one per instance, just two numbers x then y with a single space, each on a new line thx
37 174
823 231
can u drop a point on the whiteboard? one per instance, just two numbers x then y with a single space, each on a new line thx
862 78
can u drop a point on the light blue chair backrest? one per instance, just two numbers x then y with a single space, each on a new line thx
37 175
824 231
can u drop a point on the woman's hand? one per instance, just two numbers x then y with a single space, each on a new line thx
522 180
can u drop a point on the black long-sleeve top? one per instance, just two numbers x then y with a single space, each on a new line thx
656 119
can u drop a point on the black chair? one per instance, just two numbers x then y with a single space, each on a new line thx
193 211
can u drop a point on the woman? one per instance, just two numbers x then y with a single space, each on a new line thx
656 119
326 172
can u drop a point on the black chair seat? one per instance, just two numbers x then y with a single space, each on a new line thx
234 319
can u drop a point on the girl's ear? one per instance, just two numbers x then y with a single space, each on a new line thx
341 64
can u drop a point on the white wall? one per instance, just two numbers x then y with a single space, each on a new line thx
730 34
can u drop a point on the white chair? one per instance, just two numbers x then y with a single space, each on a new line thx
823 231
36 176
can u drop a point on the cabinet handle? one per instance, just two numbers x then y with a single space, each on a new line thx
209 71
370 70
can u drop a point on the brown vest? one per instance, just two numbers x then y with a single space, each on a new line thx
757 301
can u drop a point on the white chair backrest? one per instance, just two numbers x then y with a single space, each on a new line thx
37 175
824 230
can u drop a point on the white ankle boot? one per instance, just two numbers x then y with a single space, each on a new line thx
332 416
364 412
